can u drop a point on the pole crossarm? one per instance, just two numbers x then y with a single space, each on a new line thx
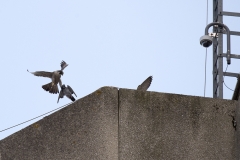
235 14
230 74
235 33
231 56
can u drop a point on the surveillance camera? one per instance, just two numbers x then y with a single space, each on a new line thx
206 41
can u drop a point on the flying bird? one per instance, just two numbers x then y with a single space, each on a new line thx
66 91
55 77
145 85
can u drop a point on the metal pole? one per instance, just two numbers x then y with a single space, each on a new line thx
217 50
215 73
220 51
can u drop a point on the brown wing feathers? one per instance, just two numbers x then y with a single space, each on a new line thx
145 85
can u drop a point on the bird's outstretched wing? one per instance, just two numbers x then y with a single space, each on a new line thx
63 65
61 94
42 74
144 86
71 90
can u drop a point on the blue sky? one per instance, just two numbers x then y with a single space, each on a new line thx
105 43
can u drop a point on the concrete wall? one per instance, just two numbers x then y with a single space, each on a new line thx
123 124
85 130
157 126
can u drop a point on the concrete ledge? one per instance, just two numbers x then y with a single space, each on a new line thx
124 124
155 126
86 129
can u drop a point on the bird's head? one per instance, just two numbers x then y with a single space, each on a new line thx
60 72
63 86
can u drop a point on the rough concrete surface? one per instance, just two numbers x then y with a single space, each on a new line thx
237 119
157 126
124 124
84 130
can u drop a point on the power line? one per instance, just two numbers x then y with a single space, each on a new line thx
206 56
207 14
224 82
205 73
35 117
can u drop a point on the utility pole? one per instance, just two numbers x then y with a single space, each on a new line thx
218 54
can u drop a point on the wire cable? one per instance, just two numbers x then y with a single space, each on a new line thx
207 14
205 73
224 82
35 117
206 56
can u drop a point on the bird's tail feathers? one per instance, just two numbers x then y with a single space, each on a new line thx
47 87
52 88
72 98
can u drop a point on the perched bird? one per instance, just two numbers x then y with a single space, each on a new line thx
145 85
55 76
66 91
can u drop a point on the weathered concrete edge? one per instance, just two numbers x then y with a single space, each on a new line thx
218 101
118 97
101 88
103 94
44 117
